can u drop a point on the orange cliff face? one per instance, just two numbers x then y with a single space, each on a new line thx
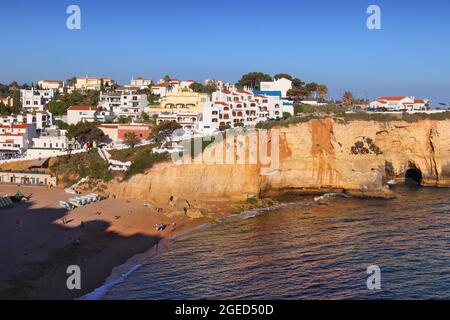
324 155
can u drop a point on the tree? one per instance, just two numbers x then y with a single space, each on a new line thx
347 99
84 132
283 75
253 80
131 139
311 87
57 108
322 91
298 94
197 87
166 78
4 110
297 83
164 130
200 88
61 125
71 81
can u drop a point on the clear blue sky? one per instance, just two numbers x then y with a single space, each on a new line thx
322 41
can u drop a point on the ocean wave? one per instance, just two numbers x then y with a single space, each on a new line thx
98 293
258 211
330 196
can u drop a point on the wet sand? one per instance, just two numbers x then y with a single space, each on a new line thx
36 247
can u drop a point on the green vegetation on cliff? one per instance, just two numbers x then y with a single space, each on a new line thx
71 168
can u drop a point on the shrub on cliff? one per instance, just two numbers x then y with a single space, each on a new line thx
145 161
73 167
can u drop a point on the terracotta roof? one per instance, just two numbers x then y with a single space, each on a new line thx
419 101
83 108
226 91
160 85
221 102
243 91
16 126
393 98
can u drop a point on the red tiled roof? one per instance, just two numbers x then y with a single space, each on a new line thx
243 91
159 85
221 102
393 98
226 91
83 108
419 101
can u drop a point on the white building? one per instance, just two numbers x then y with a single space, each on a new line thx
241 107
15 138
40 119
399 103
124 103
77 114
140 82
50 143
281 84
36 100
56 85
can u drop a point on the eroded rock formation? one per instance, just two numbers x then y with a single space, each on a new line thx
323 155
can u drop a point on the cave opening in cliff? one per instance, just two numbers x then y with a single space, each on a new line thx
413 176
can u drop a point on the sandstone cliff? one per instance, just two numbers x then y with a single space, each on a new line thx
323 155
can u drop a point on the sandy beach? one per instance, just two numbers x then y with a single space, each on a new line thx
37 247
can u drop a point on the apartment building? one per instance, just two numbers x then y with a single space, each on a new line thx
240 108
124 102
36 100
40 119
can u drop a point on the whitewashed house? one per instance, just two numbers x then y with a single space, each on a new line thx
281 84
399 103
36 100
140 82
77 114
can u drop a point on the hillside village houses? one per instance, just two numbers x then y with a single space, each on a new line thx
33 132
399 103
36 100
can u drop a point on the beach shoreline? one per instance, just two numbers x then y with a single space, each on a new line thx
37 247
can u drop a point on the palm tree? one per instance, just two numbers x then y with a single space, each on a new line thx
348 98
322 91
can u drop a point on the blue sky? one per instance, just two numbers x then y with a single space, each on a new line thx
323 41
